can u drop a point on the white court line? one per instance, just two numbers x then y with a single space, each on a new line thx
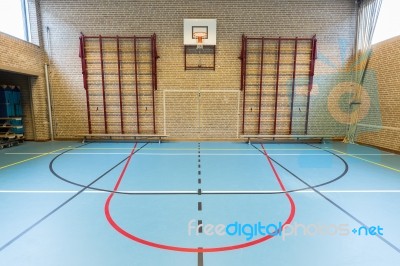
193 191
149 154
97 191
254 154
301 191
42 191
203 149
71 153
205 154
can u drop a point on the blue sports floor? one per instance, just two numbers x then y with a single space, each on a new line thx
190 204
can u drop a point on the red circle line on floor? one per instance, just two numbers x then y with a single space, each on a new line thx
190 249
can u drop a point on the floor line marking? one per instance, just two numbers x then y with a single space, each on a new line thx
200 258
372 162
146 154
335 204
188 249
195 149
58 207
195 192
98 191
200 226
207 154
301 191
32 158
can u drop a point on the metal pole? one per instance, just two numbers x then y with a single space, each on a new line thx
136 86
244 80
293 85
153 59
120 88
103 85
261 84
280 38
311 79
152 62
85 81
214 57
184 54
121 37
49 102
241 66
165 112
48 42
277 84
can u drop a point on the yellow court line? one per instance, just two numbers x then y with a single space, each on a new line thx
32 158
379 164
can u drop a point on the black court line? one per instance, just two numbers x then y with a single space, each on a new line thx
331 201
346 168
200 226
200 256
65 202
51 167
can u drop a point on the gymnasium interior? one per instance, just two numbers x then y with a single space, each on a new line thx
199 132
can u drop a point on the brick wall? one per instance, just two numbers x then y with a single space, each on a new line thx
382 129
332 22
25 58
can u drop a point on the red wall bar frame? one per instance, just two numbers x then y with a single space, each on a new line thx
103 84
277 83
313 55
279 38
293 85
243 58
120 37
136 85
261 85
154 57
85 78
120 87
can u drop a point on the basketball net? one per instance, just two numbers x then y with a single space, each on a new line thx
199 42
199 39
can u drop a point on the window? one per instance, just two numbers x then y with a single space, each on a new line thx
388 22
14 18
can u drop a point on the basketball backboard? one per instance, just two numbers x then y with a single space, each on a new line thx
207 28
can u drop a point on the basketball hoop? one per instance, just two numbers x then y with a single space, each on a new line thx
199 38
